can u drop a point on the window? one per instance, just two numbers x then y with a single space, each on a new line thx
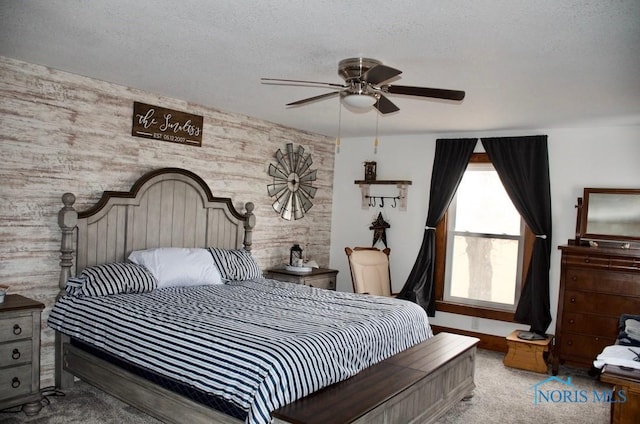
481 248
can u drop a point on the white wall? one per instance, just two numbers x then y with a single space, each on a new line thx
578 158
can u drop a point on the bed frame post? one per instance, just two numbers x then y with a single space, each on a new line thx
249 223
67 220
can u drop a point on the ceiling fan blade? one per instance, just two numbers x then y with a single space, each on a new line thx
438 93
279 81
385 105
380 73
313 99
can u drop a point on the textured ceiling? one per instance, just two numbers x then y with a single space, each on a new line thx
523 64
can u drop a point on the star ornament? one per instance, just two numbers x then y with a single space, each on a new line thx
379 227
292 182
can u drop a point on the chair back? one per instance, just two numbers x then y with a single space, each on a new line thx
370 270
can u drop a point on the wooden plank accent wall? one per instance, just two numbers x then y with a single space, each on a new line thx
62 132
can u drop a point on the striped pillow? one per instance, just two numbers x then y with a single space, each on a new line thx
112 278
235 264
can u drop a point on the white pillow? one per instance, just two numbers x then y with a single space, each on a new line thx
178 266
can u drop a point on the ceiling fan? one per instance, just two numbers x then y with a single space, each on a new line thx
363 86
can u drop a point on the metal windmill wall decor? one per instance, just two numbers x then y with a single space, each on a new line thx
292 182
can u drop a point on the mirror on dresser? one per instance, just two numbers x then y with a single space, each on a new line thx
610 216
599 275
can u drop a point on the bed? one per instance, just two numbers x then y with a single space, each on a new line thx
173 209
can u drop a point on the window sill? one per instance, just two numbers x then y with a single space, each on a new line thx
474 311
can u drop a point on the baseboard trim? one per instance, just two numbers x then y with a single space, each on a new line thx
487 341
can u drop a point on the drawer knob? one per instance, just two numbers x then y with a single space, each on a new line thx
15 354
571 321
572 300
15 383
574 278
570 343
587 260
17 330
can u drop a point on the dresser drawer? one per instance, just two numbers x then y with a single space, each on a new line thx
587 261
625 264
16 327
15 381
582 348
599 303
15 353
603 281
597 325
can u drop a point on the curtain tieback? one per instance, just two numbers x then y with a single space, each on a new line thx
542 236
429 228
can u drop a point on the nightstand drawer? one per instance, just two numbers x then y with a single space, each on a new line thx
15 381
322 278
322 282
20 353
16 327
15 353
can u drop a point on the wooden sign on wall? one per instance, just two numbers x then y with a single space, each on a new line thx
166 124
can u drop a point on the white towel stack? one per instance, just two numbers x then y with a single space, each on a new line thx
618 355
632 328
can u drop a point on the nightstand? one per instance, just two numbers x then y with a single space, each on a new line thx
323 278
20 353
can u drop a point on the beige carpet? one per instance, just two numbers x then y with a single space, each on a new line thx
507 395
503 395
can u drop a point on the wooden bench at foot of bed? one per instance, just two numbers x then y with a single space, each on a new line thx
415 386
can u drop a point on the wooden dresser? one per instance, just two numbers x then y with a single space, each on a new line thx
20 353
323 278
597 285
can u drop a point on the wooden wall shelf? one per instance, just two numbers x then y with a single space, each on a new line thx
402 185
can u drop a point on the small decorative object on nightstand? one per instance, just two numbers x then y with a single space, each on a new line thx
20 353
295 256
322 278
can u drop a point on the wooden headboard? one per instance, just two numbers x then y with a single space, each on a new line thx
169 207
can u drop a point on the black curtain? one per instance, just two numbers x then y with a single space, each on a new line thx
450 162
522 163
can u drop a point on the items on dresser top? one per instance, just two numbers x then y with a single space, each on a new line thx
20 353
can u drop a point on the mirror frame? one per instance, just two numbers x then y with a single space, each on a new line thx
584 214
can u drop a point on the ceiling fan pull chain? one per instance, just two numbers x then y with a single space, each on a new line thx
375 141
339 126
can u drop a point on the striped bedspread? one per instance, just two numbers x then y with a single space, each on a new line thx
258 344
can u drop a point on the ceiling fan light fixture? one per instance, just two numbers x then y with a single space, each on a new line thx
359 101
